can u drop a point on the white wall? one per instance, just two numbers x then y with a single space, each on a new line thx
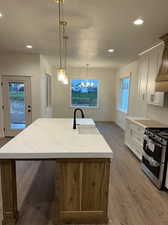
138 107
23 65
46 68
36 66
158 113
106 109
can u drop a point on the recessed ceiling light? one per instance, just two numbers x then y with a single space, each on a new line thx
138 21
29 46
1 15
110 50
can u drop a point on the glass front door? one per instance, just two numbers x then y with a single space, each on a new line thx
17 104
16 92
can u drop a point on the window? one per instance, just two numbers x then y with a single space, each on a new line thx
84 93
124 94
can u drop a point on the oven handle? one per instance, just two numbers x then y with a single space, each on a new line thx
147 138
151 161
159 145
150 141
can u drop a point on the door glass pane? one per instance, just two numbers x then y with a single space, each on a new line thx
17 105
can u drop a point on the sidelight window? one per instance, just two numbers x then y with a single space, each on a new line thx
124 94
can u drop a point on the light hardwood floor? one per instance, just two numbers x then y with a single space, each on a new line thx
133 199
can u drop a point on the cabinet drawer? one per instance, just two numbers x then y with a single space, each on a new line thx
137 128
134 134
139 138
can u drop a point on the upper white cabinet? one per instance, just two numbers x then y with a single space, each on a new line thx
149 65
154 62
143 76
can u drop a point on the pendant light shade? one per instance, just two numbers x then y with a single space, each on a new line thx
61 74
58 1
65 80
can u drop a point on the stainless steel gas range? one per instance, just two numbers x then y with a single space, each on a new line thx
155 155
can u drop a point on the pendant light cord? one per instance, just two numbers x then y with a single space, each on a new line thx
60 37
87 69
65 38
66 51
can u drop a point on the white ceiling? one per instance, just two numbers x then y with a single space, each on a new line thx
94 26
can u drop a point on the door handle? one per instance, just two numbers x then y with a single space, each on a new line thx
29 108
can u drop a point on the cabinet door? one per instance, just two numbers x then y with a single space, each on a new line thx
155 57
83 191
134 138
128 133
70 186
156 98
94 186
142 76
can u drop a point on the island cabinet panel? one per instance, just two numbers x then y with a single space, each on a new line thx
70 180
83 191
9 192
94 186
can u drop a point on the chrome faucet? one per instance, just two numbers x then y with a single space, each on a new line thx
74 120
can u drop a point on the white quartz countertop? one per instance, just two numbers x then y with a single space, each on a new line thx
147 122
55 138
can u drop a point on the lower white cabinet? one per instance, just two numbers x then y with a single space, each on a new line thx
134 134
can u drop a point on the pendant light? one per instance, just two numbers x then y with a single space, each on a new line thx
63 38
57 1
61 70
65 47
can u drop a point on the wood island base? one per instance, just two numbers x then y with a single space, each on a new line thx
9 192
82 189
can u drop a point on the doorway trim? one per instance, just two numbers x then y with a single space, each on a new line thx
5 79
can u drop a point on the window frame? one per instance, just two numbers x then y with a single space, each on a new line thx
122 78
98 99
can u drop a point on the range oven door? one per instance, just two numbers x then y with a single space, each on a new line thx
153 161
154 149
153 170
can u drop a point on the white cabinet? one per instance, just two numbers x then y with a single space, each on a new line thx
143 77
148 68
134 134
156 99
154 62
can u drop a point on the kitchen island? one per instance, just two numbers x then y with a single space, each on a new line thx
82 169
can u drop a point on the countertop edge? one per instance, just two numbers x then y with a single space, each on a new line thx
30 156
133 119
